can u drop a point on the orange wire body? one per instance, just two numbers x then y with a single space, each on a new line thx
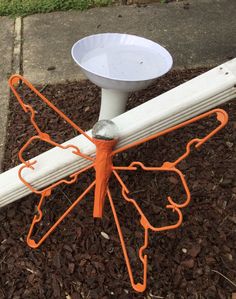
104 168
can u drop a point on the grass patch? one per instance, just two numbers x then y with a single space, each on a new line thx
28 7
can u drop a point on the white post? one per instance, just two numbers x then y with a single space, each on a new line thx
113 103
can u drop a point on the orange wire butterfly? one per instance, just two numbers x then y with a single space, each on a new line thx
104 168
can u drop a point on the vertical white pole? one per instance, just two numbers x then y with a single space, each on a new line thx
113 103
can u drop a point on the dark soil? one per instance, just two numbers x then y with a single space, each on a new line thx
76 261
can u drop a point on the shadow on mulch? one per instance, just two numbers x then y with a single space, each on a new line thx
77 261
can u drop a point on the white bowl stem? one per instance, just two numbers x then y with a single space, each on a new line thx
113 103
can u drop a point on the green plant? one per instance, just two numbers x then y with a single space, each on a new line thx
27 7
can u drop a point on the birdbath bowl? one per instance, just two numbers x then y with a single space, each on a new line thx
120 64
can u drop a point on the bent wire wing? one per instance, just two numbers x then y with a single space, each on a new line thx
14 81
104 168
222 117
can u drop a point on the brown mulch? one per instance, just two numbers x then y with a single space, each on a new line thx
197 260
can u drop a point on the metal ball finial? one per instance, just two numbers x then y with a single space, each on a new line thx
105 129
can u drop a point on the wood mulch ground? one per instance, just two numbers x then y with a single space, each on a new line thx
197 261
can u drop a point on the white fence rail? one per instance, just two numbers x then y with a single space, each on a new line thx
194 97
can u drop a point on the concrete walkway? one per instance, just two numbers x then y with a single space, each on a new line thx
6 46
202 35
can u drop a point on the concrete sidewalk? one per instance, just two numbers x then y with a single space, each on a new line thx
6 46
39 46
203 35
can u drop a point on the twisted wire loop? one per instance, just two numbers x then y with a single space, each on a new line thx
104 168
222 117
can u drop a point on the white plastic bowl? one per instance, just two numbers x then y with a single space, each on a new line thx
121 61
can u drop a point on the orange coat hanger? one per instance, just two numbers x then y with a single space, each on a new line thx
104 168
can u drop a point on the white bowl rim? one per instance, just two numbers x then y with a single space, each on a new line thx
166 52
